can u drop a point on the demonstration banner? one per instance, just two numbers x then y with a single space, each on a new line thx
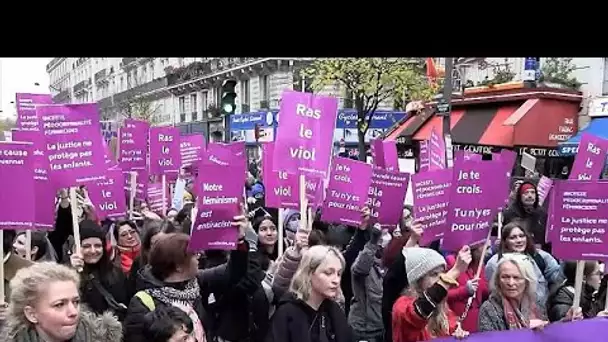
431 199
18 195
282 190
424 158
141 188
155 198
464 155
107 195
386 196
305 135
579 220
226 155
27 119
164 150
436 151
544 187
132 146
590 159
191 147
44 190
476 194
314 187
345 197
218 202
384 154
72 143
107 155
587 330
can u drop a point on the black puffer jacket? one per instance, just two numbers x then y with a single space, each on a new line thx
212 280
561 298
535 219
295 321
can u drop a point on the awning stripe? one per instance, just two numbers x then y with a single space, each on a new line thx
497 133
424 133
474 123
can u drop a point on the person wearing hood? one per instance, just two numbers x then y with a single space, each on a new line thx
422 313
561 296
173 278
526 209
12 264
308 312
45 306
516 239
40 246
513 303
103 286
365 315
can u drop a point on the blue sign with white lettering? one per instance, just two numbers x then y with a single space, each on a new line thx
347 118
247 121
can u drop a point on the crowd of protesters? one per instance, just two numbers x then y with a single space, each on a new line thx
136 280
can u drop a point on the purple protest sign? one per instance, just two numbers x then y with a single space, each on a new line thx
218 203
27 119
590 159
43 188
314 191
579 217
17 184
225 155
543 188
436 151
476 195
132 146
391 159
141 184
191 147
386 196
306 132
431 199
461 154
347 191
282 190
377 151
423 159
106 195
72 143
164 150
155 198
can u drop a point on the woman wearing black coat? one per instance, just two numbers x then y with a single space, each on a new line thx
173 278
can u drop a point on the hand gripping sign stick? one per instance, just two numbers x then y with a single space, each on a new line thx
486 246
75 223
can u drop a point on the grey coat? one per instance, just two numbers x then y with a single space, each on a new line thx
365 315
492 314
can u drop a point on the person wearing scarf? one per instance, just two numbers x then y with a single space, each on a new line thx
512 303
126 244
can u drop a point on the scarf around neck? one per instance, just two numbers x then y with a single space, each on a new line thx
519 317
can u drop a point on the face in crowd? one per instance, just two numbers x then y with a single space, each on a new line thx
325 280
512 282
528 194
267 233
92 250
128 236
516 241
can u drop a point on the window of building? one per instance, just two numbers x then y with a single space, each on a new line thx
193 104
204 104
245 92
605 83
182 104
264 88
152 76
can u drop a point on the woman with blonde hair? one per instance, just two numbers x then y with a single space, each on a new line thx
308 311
513 303
45 306
422 313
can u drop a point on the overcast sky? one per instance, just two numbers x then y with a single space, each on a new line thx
18 75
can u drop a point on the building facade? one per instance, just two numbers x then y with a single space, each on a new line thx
182 91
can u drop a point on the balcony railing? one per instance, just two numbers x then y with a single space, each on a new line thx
100 75
127 61
194 116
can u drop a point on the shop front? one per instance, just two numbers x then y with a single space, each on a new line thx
525 120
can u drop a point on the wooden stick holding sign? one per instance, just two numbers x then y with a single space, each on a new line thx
132 192
303 205
164 195
281 231
75 223
578 283
28 244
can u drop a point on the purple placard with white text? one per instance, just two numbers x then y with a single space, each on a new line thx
391 158
43 188
476 194
431 191
580 220
424 159
590 159
155 198
282 190
305 135
191 147
17 184
386 197
132 146
107 195
27 119
141 184
164 150
347 191
72 143
218 202
436 151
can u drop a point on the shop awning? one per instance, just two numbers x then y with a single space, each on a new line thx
536 122
407 128
597 127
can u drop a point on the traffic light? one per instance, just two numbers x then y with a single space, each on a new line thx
228 105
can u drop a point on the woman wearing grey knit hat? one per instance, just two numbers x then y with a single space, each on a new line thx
421 313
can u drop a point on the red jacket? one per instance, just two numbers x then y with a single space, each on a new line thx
409 327
457 297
